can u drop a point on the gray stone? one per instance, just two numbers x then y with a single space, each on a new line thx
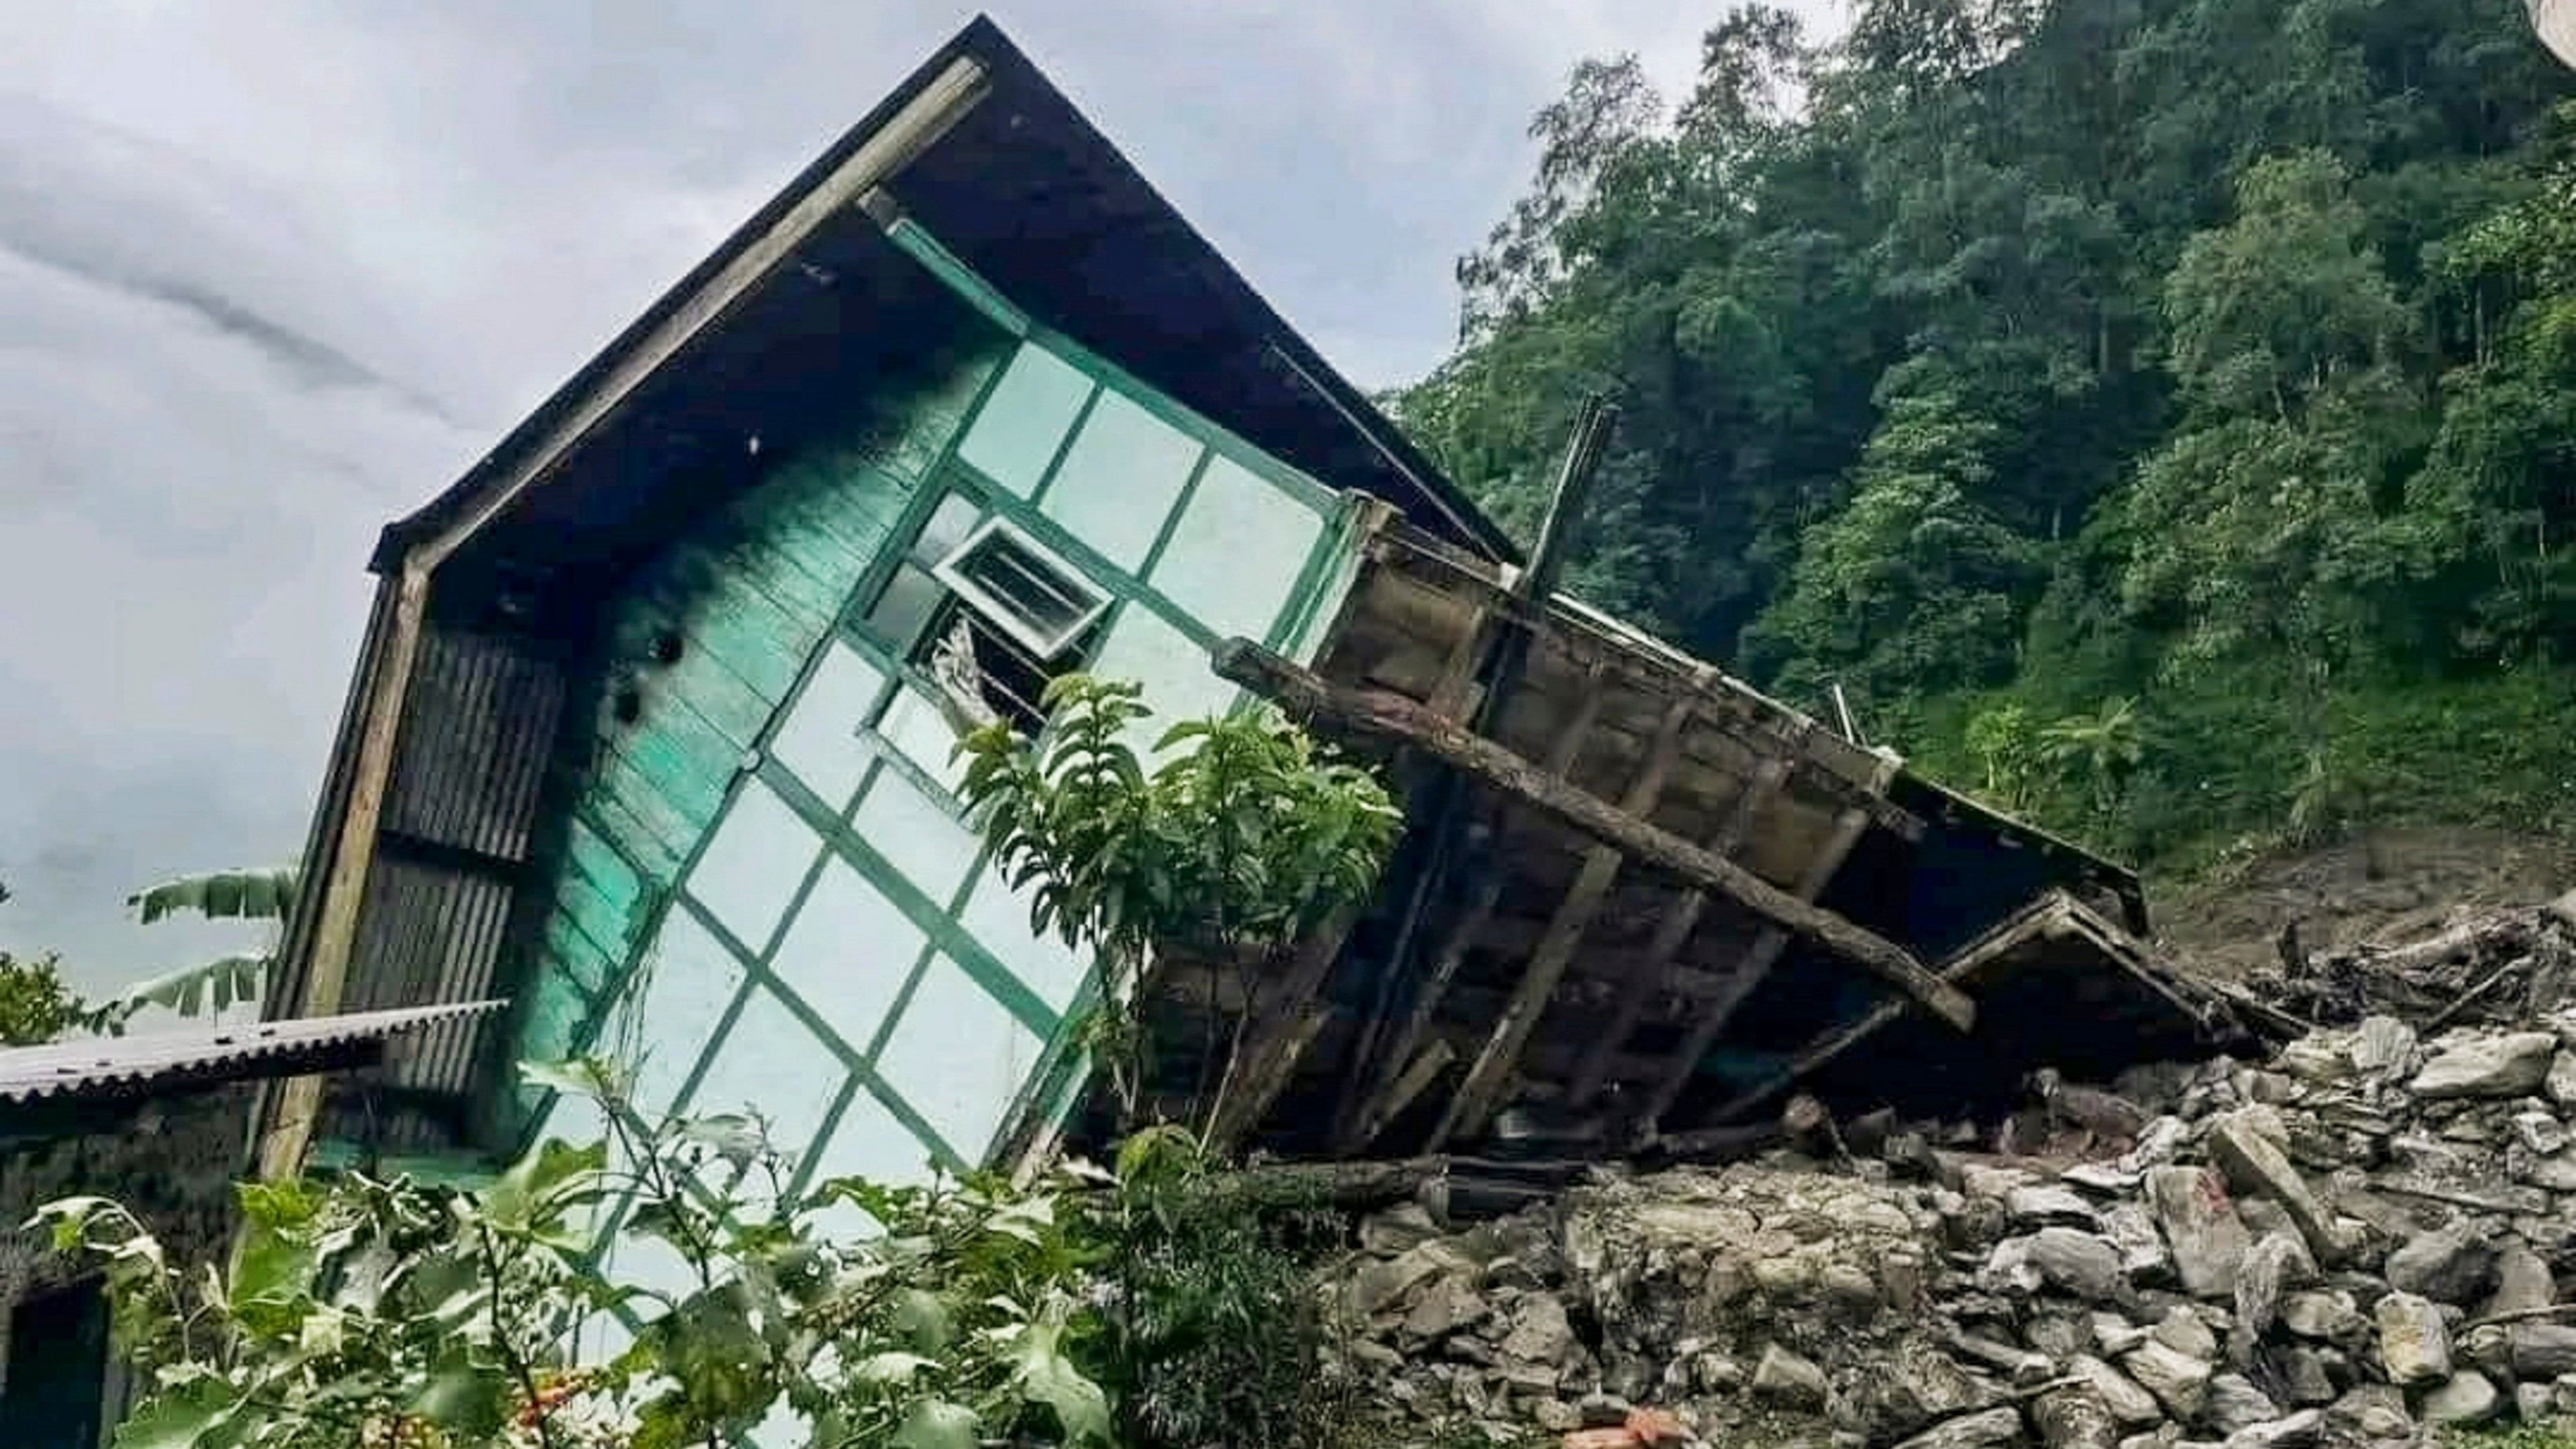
2383 1044
2505 1064
2447 1265
2164 1438
1448 1305
1385 1286
2048 1205
2128 1402
2305 1378
2291 1431
2075 1418
2534 1402
2328 1315
1406 1225
1540 1331
1785 1378
2467 1397
2414 1344
2560 1084
2235 1403
2249 1151
1970 1431
2183 1330
2142 1248
2540 1132
2562 1394
2059 1335
2487 1348
1602 1411
2207 1238
2523 1281
2179 1381
2543 1350
2276 1264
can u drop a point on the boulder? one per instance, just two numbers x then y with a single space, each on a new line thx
2327 1315
2447 1265
2277 1263
1406 1225
2083 1264
2075 1418
1970 1431
1451 1303
2534 1402
2235 1403
2383 1045
2414 1344
2291 1431
2183 1330
1790 1381
2249 1152
2129 1403
2208 1240
2179 1381
2502 1064
2467 1397
1540 1332
2560 1084
1388 1286
2543 1350
2048 1205
2305 1379
2523 1281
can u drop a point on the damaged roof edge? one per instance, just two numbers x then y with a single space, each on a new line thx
1006 72
139 1065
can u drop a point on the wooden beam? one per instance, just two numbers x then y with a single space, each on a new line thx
1257 1072
1646 976
1476 1097
1412 1082
1748 974
1563 749
1376 712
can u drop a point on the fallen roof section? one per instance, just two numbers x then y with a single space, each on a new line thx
108 1068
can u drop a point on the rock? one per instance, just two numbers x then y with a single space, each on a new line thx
2179 1381
2487 1348
1448 1305
2370 1414
2328 1315
2074 1418
2523 1281
2414 1344
2128 1402
2235 1403
1786 1379
2465 1398
2083 1264
2142 1248
1970 1431
2534 1402
2447 1265
2048 1205
1601 1411
2383 1045
1406 1225
2506 1064
2059 1335
2562 1394
1555 1415
2183 1330
2291 1431
1540 1333
1385 1286
2201 1228
2540 1132
2249 1152
2542 1350
1920 1386
2305 1378
2560 1084
2164 1438
2278 1262
1657 1429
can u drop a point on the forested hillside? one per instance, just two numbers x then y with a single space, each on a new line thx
2158 413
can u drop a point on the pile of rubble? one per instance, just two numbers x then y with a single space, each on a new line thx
2351 1243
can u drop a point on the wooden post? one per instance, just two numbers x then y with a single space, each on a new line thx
1254 1076
1486 1078
1378 712
1747 974
1675 931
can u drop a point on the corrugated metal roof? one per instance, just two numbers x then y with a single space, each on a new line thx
127 1066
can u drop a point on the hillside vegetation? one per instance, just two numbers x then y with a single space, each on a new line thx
2160 414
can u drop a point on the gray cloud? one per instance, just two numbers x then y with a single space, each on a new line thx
272 271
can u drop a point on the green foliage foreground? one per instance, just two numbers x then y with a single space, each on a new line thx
1145 1308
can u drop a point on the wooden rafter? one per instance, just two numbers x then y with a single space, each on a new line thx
1563 749
1650 972
1280 1035
1748 973
1377 712
1486 1078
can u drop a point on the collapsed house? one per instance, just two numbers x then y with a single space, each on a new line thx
651 731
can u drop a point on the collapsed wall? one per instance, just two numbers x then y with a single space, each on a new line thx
2352 1241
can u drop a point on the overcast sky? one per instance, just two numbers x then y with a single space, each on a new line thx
273 271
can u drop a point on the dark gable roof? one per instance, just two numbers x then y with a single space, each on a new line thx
1026 192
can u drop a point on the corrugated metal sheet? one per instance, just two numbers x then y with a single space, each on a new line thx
479 721
122 1066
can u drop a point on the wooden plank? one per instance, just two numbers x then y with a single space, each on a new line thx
1412 1082
1747 974
1372 712
1562 751
1267 1057
1674 931
1477 1097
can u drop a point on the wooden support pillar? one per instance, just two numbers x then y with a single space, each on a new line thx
1563 749
1276 1040
1646 974
1412 1082
1488 1076
1377 712
1748 973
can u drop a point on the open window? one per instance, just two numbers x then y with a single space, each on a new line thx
988 613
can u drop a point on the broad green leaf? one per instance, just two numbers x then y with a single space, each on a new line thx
936 1424
200 1416
921 1318
465 1398
221 895
1044 1375
891 1367
580 1077
523 1196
